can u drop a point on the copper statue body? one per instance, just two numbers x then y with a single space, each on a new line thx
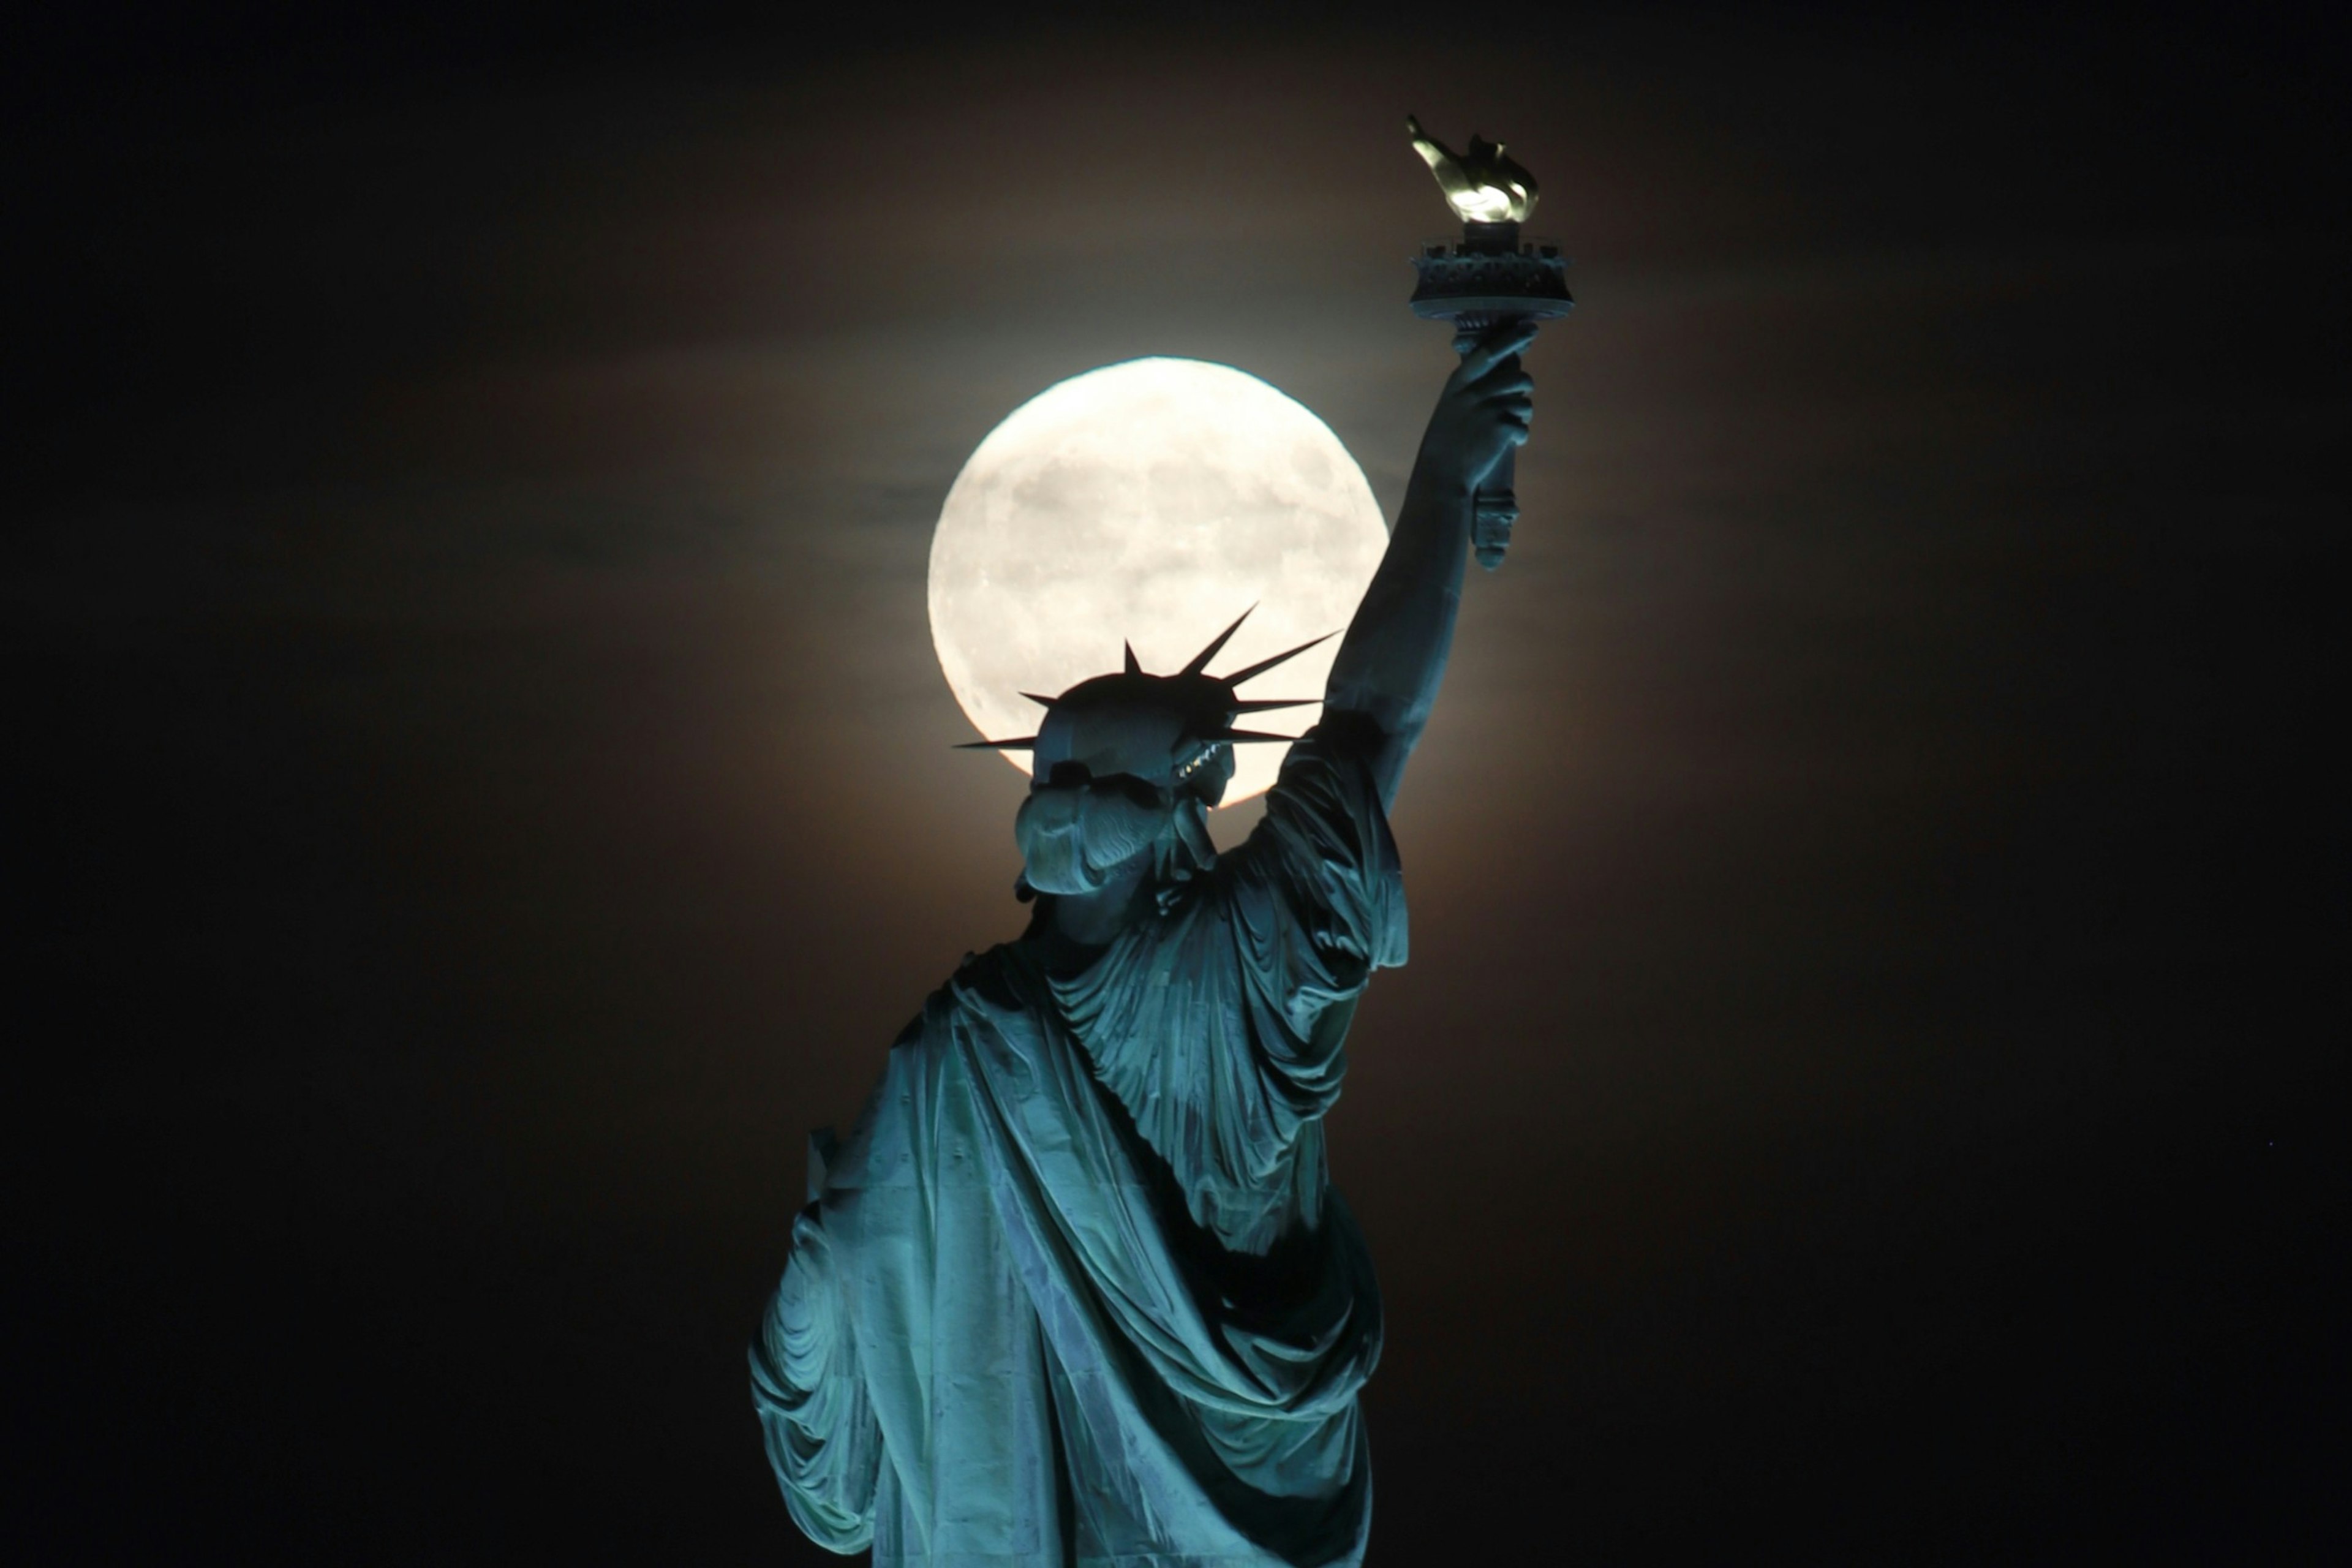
1076 1287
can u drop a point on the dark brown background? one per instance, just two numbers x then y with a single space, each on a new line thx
1865 1086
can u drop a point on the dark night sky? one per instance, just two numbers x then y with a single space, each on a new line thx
1866 1086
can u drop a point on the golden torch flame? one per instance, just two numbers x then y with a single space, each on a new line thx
1483 185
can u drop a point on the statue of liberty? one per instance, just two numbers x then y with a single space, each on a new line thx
1076 1288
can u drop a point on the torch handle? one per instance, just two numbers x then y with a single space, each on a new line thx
1495 505
1494 508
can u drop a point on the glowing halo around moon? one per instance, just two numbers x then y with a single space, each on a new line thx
1149 502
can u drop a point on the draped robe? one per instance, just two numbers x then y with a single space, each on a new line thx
1075 1289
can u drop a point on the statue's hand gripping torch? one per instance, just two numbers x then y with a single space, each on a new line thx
1487 280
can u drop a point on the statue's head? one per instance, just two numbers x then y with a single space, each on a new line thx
1127 764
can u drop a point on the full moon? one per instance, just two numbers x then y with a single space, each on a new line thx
1149 502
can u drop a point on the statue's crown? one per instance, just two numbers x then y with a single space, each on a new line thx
1173 731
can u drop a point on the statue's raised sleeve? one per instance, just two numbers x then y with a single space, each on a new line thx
1221 1026
1317 901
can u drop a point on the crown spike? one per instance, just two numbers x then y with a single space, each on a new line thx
1267 704
1133 667
1040 701
1245 735
1024 744
1216 644
1262 666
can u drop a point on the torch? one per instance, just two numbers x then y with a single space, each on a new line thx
1487 280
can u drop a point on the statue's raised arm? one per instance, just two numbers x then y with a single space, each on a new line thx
1385 679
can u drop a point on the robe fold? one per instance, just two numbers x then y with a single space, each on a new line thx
1075 1289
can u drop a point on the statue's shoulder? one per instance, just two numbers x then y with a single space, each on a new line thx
1000 979
990 987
